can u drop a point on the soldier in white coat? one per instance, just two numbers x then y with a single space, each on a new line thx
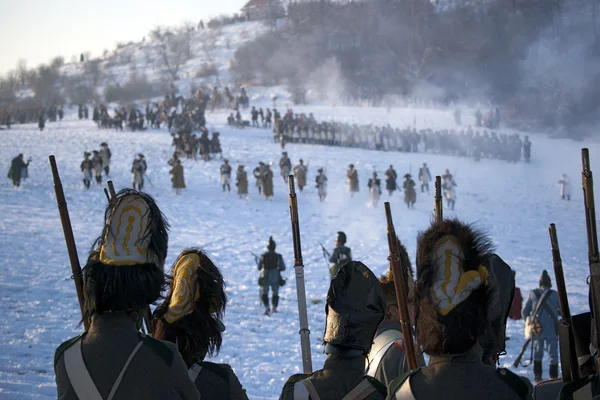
565 188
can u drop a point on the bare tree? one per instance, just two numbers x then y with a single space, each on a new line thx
93 71
172 51
22 72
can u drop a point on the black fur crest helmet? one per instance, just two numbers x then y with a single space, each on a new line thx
452 287
124 271
355 306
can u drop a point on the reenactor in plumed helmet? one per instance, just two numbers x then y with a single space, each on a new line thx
341 255
452 303
270 266
354 308
113 356
190 317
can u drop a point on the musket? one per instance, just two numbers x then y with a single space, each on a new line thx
520 356
300 289
256 258
401 287
69 238
568 353
325 252
438 205
111 195
592 235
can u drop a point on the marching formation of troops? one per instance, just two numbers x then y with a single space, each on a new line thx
476 143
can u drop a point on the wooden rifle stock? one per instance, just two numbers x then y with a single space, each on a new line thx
568 354
401 287
300 287
439 205
520 356
592 236
69 238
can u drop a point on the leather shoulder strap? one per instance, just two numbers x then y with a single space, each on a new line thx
360 391
380 347
194 371
312 391
117 383
78 374
300 391
399 388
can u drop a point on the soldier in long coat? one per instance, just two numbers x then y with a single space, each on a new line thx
17 166
241 181
321 181
355 306
267 182
410 194
87 168
226 175
177 320
374 185
300 171
352 176
97 164
390 180
106 156
285 165
177 177
119 286
270 266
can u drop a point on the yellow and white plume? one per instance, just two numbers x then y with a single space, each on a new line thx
126 240
451 284
186 292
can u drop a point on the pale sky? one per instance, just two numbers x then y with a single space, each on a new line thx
39 30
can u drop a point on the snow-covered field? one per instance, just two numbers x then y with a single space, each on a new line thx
515 203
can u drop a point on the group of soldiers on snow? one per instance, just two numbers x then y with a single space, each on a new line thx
475 143
462 330
94 164
187 144
10 116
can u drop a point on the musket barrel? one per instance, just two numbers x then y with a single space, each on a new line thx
300 286
69 238
438 204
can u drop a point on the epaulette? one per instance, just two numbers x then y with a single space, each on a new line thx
397 383
514 381
216 369
159 348
569 388
380 387
64 346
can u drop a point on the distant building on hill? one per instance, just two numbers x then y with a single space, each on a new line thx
256 10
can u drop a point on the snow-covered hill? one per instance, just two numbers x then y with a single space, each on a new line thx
515 203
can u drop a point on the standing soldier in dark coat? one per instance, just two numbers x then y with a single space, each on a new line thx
285 165
258 175
86 170
340 256
424 177
113 356
410 194
542 309
452 300
138 170
106 155
527 149
241 181
352 176
192 319
267 182
17 166
254 114
390 180
97 164
41 121
270 266
355 306
226 175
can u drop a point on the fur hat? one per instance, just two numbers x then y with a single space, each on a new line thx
355 306
124 271
545 281
450 256
191 313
